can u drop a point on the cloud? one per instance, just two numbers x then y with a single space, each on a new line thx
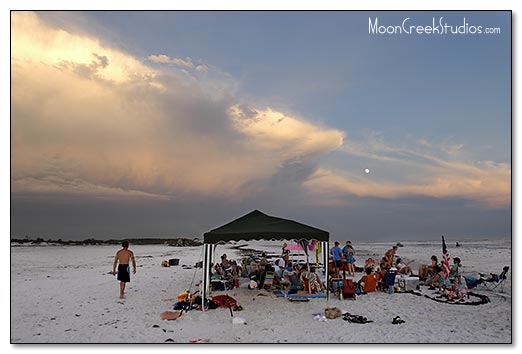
436 174
165 59
285 135
93 121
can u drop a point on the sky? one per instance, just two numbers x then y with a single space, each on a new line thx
169 124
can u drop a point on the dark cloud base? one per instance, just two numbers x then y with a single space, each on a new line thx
366 220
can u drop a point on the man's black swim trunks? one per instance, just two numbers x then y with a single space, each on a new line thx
123 273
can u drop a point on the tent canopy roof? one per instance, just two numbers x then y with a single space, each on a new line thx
259 226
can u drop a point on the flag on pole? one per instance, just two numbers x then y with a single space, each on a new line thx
445 260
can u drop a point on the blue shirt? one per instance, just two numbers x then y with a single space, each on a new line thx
336 253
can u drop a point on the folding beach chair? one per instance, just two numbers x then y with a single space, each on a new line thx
269 280
497 280
491 283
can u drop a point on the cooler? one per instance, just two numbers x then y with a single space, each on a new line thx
407 283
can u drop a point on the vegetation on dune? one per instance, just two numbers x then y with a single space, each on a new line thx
177 242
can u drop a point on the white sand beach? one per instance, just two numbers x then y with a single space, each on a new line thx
65 294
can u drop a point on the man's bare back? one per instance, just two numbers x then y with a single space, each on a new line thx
124 255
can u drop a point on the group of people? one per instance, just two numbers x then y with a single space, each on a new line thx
226 268
433 274
346 255
282 272
429 274
292 276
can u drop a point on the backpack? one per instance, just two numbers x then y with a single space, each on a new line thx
212 305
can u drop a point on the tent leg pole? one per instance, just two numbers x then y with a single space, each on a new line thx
326 250
204 280
207 271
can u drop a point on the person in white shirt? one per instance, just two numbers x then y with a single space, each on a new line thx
404 268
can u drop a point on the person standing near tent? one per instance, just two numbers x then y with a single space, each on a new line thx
337 258
123 257
284 251
348 253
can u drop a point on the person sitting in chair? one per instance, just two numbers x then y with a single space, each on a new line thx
310 281
291 276
384 267
427 271
495 278
229 267
437 279
404 268
454 275
263 261
369 263
369 280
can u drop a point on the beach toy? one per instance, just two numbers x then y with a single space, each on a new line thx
183 296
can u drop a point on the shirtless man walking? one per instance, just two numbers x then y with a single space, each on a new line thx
123 256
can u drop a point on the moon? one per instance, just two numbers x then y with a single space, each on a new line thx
367 170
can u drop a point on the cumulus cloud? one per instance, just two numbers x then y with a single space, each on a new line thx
94 121
287 136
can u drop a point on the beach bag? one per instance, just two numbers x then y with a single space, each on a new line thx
332 312
212 305
348 289
182 306
170 315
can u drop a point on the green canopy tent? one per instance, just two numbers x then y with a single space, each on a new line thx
259 226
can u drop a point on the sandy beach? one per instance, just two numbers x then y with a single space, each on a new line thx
65 294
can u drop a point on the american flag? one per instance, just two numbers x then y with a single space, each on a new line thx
445 259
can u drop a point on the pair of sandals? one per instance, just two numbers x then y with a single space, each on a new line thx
355 319
398 320
238 308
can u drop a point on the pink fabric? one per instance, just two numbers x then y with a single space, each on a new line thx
297 247
294 247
